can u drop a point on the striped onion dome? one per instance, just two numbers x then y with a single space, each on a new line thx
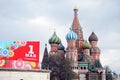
71 35
86 45
61 47
54 39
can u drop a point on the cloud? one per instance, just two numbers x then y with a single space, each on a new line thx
110 57
36 20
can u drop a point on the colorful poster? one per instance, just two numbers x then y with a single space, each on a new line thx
20 54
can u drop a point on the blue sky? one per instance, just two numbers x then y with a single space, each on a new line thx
37 19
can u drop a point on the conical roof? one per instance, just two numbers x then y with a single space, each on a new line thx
76 23
97 64
45 60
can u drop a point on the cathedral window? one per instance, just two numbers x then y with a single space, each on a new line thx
81 68
77 67
84 67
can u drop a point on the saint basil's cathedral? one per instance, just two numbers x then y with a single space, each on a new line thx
84 56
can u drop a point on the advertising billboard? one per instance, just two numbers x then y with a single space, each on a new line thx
19 54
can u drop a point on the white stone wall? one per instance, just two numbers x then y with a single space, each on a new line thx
21 75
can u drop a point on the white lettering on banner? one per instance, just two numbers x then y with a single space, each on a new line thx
30 53
31 49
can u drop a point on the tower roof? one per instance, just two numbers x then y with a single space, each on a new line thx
86 45
76 20
45 58
61 47
97 64
93 37
46 51
54 39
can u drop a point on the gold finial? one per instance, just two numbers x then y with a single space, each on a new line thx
75 8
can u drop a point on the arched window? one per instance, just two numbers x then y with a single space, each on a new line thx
77 67
81 68
84 67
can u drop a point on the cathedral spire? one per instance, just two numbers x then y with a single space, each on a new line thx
76 27
45 60
75 20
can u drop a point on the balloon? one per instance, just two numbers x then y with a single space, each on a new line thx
27 66
33 64
12 47
23 43
15 45
2 62
11 54
18 63
19 43
5 52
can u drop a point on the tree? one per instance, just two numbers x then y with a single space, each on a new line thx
108 73
115 75
60 67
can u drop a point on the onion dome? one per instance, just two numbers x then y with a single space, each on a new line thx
61 47
86 45
54 39
93 37
71 35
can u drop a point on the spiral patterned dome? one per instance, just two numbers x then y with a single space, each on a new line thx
61 47
93 37
86 45
71 35
54 39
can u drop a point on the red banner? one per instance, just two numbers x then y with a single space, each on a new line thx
19 54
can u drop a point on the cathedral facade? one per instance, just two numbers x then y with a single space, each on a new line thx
84 56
